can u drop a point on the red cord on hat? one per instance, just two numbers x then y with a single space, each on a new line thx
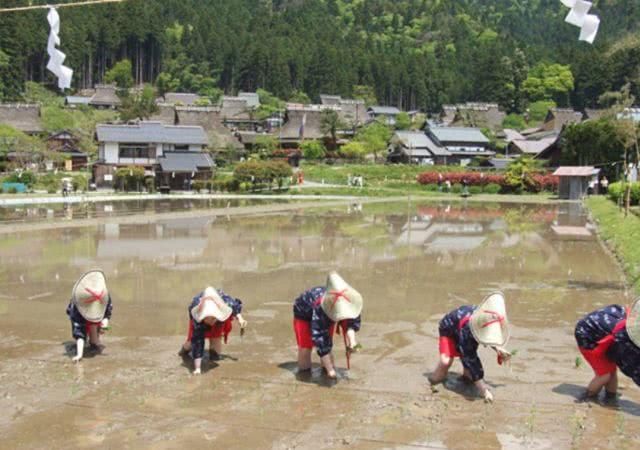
498 318
95 297
337 295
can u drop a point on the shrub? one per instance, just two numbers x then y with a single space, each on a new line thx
27 177
262 173
431 187
491 188
475 189
129 178
150 184
473 178
456 188
313 150
514 121
51 190
538 110
79 183
199 185
13 190
353 150
617 190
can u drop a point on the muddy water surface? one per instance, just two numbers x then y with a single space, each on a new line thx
412 262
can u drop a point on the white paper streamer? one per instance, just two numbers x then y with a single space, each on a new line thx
56 57
578 16
578 13
589 28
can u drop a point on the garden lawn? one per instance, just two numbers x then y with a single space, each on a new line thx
622 235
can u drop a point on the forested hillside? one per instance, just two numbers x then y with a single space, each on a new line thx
413 53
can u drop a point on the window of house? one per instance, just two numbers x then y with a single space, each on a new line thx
137 151
182 148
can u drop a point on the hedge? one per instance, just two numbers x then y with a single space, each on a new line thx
537 182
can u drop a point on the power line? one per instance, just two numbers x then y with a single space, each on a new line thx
60 5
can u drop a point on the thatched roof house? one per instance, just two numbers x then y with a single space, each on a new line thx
24 117
105 97
209 118
235 109
166 114
558 118
253 99
303 122
181 98
481 115
352 112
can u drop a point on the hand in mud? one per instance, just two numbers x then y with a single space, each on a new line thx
76 358
488 396
197 372
332 374
104 325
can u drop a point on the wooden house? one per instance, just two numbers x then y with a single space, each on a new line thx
172 154
66 144
416 147
463 143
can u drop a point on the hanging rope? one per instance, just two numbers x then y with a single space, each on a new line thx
60 5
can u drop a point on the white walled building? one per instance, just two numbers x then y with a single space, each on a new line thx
150 145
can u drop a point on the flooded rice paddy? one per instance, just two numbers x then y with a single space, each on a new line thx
412 262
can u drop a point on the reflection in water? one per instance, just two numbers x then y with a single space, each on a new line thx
421 256
69 211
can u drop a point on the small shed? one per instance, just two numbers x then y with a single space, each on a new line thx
575 181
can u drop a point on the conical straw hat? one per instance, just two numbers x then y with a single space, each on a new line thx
489 323
633 323
341 301
211 305
90 295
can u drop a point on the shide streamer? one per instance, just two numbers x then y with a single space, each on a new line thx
580 17
56 57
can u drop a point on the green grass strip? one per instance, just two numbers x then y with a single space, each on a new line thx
622 236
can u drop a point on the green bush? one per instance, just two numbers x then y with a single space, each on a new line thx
456 188
475 189
199 185
129 178
514 121
431 187
353 150
13 190
538 110
150 184
79 183
491 188
313 150
617 191
27 177
51 190
262 173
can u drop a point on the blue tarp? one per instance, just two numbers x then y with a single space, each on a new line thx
20 187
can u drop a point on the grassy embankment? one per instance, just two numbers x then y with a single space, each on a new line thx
622 236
